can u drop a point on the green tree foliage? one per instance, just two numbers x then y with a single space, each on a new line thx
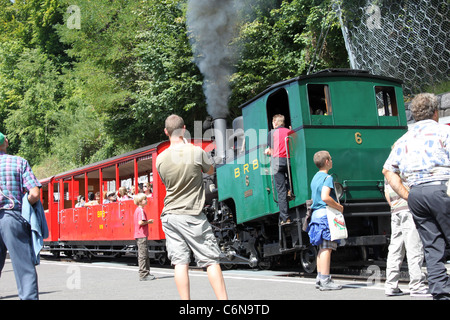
282 43
30 57
34 95
169 81
103 60
73 94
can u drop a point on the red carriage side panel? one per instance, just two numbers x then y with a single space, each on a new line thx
110 221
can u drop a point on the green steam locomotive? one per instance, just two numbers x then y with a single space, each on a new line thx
354 115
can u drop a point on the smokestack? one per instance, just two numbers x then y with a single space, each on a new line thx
220 131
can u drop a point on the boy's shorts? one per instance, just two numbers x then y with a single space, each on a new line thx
187 232
327 244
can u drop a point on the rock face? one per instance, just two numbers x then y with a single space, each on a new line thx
444 107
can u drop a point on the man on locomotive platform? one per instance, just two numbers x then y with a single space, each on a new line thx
181 168
277 149
15 232
421 157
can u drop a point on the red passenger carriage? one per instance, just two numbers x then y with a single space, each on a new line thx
106 228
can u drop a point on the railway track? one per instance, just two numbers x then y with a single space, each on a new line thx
357 271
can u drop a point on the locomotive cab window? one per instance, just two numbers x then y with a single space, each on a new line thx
386 101
319 99
278 103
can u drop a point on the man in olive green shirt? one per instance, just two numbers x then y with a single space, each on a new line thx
181 169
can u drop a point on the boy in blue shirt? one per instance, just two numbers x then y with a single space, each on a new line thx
323 194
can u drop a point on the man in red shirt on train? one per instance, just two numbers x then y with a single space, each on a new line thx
276 142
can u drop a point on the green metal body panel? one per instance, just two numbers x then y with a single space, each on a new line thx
357 138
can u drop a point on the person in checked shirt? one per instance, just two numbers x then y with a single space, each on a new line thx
421 158
16 177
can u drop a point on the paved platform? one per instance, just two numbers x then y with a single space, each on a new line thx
68 280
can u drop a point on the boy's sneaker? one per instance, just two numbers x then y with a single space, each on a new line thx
328 284
393 292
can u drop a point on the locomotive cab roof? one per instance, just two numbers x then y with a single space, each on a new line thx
332 72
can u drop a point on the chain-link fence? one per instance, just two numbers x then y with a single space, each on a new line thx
406 39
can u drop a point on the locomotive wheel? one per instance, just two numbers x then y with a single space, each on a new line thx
265 264
68 253
308 258
162 259
56 254
77 256
228 266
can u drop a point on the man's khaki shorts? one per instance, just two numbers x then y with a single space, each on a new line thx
187 232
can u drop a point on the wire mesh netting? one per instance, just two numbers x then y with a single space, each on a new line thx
405 39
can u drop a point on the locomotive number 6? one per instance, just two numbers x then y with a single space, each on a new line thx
358 138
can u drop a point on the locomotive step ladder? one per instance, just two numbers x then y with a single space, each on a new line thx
290 234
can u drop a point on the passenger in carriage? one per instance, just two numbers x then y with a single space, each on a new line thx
92 199
81 201
135 190
147 189
111 198
123 194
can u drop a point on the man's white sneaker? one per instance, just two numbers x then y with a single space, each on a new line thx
422 293
393 292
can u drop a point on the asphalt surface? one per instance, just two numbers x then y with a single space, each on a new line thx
109 280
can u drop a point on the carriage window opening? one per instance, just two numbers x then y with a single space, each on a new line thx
44 195
145 174
386 101
109 179
93 185
63 194
55 192
81 185
126 176
319 99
